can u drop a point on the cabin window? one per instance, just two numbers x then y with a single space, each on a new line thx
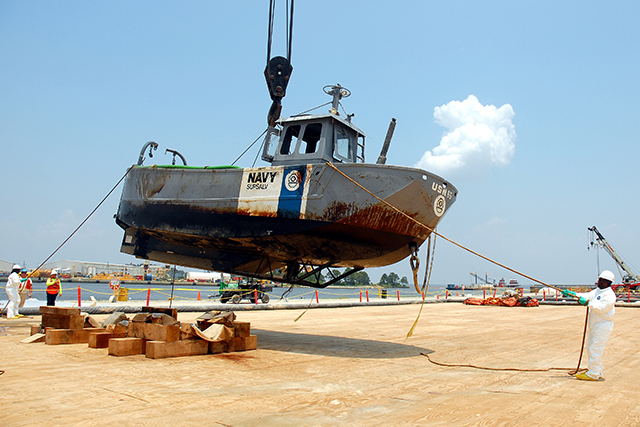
312 136
342 145
290 139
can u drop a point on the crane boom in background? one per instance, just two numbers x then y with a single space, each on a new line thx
485 279
629 277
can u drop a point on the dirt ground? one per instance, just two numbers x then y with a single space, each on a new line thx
342 366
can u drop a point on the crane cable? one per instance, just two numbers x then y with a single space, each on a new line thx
289 24
83 222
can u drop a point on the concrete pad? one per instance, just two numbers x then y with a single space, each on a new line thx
340 366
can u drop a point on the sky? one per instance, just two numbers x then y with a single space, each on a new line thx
528 108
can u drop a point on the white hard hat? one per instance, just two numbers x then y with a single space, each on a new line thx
607 275
53 272
15 267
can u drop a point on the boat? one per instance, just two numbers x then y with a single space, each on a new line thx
318 206
513 283
472 287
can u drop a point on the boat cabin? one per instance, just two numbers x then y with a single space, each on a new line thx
308 138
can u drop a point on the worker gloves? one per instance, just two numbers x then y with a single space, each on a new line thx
581 300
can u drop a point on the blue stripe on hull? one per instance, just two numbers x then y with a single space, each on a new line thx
291 192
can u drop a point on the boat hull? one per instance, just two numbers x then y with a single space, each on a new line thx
255 220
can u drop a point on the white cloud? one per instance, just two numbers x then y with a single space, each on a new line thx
479 137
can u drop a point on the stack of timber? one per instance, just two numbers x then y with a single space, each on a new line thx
156 333
224 333
62 325
115 326
152 328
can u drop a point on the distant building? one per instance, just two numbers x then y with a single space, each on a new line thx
5 266
195 276
90 269
143 271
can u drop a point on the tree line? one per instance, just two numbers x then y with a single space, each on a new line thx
361 279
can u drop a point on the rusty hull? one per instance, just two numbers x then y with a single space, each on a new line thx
196 217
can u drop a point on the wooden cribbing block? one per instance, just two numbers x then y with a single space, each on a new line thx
126 346
218 347
36 329
241 329
90 322
34 338
173 312
60 311
69 336
243 344
154 332
162 349
101 339
163 319
187 332
63 321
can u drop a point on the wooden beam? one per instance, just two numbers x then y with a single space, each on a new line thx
69 336
126 346
62 311
154 332
34 338
162 349
241 329
173 312
217 347
101 339
187 332
243 344
62 321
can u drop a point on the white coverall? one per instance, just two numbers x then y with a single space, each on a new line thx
13 283
601 311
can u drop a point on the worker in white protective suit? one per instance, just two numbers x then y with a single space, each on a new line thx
13 284
602 304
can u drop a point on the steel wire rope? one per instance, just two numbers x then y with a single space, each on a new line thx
456 244
289 28
311 109
249 147
272 10
83 222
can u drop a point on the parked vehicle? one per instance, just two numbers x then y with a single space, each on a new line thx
236 292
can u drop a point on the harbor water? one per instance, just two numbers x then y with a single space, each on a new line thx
191 292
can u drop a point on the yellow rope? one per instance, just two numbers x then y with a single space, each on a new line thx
440 235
